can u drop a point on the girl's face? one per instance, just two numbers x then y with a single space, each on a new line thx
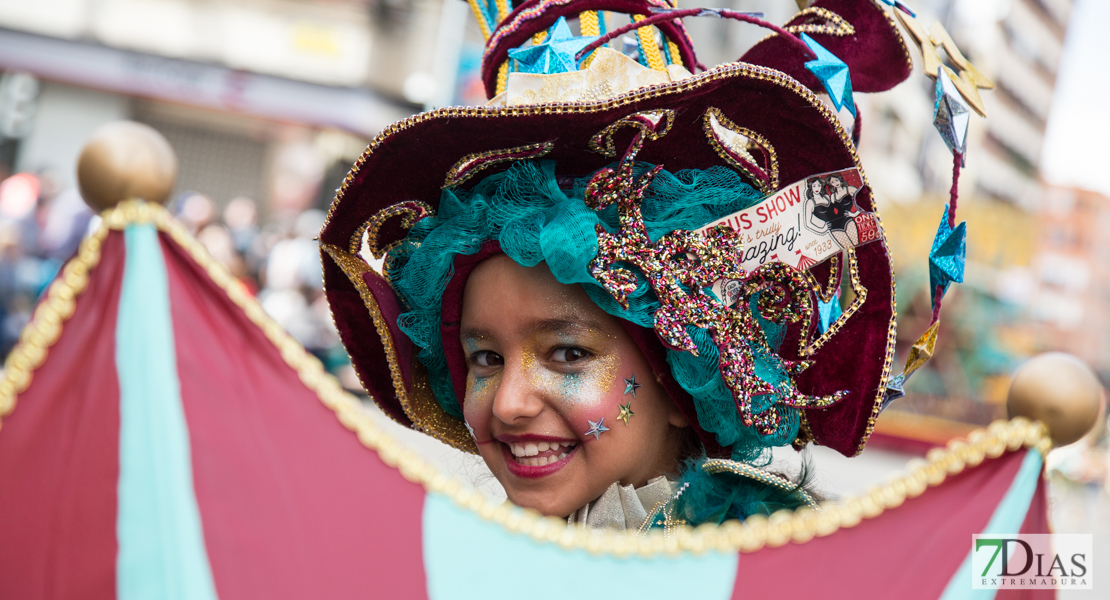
549 373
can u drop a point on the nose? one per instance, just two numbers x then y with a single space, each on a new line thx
518 398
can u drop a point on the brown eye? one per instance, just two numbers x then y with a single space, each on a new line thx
569 354
486 358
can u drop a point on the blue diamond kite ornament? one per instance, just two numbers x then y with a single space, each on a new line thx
950 115
947 256
833 74
895 389
555 54
828 312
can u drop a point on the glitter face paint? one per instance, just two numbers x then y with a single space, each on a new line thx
544 363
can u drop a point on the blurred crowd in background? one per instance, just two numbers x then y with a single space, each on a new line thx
276 258
268 103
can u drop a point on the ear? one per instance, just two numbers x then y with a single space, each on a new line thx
676 418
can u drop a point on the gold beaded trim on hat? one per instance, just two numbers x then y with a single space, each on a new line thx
410 212
471 164
806 347
832 285
658 93
891 340
766 187
418 403
715 466
834 24
602 141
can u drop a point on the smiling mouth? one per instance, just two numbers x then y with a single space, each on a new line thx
539 454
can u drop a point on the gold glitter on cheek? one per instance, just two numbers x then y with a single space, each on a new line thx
544 380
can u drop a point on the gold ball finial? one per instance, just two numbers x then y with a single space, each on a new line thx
124 160
1060 391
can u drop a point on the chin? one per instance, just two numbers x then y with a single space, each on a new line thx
545 504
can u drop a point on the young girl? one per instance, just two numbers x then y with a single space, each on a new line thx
554 311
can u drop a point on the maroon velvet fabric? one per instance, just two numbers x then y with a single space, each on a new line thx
537 21
410 162
361 338
59 456
876 56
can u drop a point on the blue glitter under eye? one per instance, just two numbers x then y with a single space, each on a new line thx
480 384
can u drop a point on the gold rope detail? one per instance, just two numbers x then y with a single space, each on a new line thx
539 38
46 324
589 24
502 77
502 9
652 54
479 15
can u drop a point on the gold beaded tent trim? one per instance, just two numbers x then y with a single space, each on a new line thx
749 536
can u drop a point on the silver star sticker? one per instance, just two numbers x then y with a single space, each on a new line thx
596 429
470 429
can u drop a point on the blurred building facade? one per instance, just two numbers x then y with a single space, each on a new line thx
267 103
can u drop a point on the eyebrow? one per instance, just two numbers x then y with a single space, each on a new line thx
544 326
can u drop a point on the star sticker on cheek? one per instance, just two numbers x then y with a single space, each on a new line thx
626 412
470 429
596 429
630 386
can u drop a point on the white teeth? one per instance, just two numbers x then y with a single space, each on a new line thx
540 461
525 452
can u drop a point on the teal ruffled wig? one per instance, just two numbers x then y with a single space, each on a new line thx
535 220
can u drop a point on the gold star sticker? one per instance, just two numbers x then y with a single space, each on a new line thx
626 412
968 81
922 350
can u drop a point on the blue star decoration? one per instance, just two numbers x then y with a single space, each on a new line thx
630 385
596 429
947 256
555 54
828 312
950 114
833 74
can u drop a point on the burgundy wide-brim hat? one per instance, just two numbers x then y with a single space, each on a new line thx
791 133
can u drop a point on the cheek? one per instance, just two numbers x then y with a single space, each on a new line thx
478 405
593 394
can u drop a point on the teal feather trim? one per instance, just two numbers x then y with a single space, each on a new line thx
716 497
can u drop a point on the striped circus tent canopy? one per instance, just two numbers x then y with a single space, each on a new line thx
161 437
